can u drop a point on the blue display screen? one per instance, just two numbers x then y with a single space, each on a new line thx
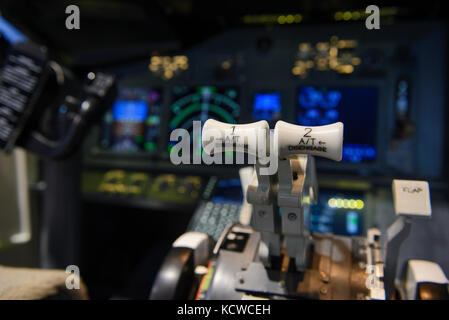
228 191
10 33
267 106
356 107
130 111
133 122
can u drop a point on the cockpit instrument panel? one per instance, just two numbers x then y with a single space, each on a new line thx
133 123
199 103
267 105
355 106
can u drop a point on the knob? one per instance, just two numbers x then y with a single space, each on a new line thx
323 141
219 137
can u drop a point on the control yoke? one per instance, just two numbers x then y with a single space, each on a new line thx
44 108
281 199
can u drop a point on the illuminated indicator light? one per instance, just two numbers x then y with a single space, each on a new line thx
389 11
150 146
180 59
326 56
356 61
268 19
304 46
281 19
298 18
345 203
259 19
347 16
153 120
338 16
322 46
120 188
333 63
290 18
356 15
182 189
296 71
247 19
226 65
339 203
333 52
347 44
306 200
352 204
346 68
166 66
321 63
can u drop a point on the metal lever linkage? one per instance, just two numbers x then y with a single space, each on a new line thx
280 200
296 146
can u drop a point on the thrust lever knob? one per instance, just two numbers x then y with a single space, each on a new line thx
323 141
218 137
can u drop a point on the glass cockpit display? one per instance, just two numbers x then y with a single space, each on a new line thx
199 103
356 107
228 191
133 123
267 106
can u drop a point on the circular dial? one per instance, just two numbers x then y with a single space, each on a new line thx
202 103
